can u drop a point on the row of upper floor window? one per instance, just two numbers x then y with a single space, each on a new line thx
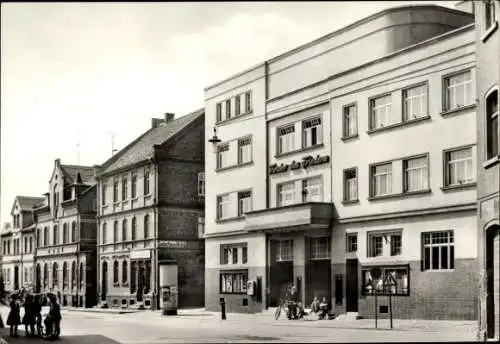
55 271
122 183
238 105
13 246
459 170
128 271
309 133
116 237
43 235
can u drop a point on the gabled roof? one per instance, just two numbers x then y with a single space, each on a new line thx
142 148
71 173
26 203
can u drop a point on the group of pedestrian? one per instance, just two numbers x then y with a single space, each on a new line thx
32 319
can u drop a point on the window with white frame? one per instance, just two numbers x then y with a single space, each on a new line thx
438 250
415 102
384 243
458 91
489 13
459 166
244 202
320 248
312 132
352 242
244 150
234 282
350 121
284 250
286 139
350 185
234 254
381 179
248 102
286 194
416 176
223 155
223 204
380 112
201 183
219 112
237 105
312 189
492 124
228 109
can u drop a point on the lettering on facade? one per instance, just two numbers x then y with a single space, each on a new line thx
306 162
173 243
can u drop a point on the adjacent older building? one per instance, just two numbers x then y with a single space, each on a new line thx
18 245
353 152
487 14
151 208
66 236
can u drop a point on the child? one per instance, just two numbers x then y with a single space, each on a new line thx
14 318
29 316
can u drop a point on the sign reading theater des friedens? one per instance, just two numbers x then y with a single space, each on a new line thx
306 162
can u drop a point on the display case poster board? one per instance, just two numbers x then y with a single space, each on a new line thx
169 287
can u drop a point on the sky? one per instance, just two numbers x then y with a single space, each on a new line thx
77 74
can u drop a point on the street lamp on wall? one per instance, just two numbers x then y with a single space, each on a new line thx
215 140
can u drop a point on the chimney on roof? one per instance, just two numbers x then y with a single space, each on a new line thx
155 122
57 162
169 117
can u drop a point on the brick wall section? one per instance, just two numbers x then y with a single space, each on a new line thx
436 295
191 266
178 183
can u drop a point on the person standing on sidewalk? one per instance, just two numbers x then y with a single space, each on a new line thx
14 318
29 315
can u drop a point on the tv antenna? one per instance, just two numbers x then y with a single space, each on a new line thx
113 150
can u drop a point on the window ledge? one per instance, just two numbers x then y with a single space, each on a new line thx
400 195
134 199
491 162
489 32
458 187
353 201
232 167
399 125
226 121
457 110
300 150
438 270
349 138
230 219
148 196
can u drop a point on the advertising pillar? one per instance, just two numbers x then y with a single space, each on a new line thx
169 289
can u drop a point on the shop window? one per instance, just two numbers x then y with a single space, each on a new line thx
438 250
394 280
320 248
234 282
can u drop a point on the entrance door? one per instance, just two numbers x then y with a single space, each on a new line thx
16 278
319 280
493 282
140 283
352 285
281 280
104 282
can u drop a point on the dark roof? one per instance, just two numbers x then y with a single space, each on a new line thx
142 148
71 174
28 202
